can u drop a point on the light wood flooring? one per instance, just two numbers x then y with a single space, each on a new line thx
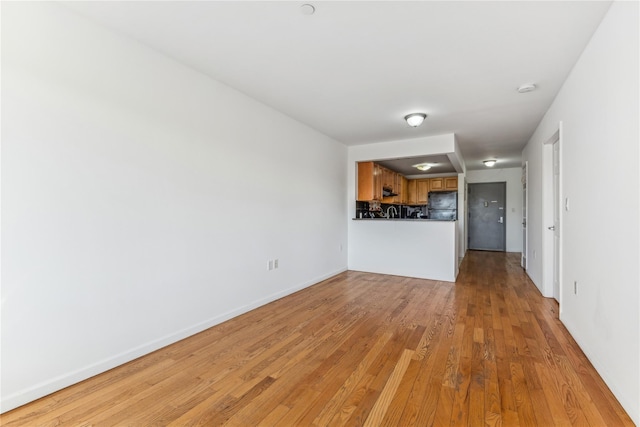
360 349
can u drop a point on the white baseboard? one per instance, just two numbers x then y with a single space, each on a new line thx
45 388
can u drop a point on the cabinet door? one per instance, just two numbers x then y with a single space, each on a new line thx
451 183
387 178
377 182
404 187
411 192
369 182
365 181
436 184
422 190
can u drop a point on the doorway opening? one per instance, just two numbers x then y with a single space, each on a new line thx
552 223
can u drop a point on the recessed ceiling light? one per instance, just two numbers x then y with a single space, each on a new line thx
415 119
528 87
422 166
307 9
489 163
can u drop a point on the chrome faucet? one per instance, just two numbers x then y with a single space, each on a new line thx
395 212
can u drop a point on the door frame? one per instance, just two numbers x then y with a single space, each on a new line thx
524 257
550 257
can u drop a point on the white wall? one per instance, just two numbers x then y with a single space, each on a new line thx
139 204
513 209
598 108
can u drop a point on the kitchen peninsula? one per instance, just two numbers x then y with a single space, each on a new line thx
392 232
427 249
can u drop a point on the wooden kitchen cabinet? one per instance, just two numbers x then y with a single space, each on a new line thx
451 183
422 191
404 190
436 184
388 179
417 191
369 181
372 178
447 183
411 192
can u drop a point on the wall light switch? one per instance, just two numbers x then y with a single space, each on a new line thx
566 204
275 263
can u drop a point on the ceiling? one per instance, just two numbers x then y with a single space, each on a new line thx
354 69
440 164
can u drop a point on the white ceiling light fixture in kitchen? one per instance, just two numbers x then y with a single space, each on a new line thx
415 119
423 166
489 163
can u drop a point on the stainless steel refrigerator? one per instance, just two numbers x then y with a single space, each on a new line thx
443 205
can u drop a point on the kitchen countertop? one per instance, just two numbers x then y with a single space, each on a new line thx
403 219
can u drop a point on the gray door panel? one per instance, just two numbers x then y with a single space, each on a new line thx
487 216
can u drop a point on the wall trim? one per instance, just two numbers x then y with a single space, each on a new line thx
627 402
45 388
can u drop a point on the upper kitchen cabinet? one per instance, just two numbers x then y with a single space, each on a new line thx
417 191
411 192
451 183
436 184
422 191
376 182
448 183
404 190
388 178
369 181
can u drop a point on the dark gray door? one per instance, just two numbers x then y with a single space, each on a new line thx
487 216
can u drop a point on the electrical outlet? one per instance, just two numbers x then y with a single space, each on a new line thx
270 265
275 263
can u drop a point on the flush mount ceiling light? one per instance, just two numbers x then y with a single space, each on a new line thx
528 87
422 166
489 163
415 119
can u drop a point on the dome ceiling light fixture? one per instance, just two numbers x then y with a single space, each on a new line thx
489 163
424 166
527 87
415 119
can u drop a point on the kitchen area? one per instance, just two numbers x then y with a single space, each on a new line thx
387 194
405 226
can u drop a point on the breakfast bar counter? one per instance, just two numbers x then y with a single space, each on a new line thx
426 249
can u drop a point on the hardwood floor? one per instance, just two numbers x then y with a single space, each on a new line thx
361 349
